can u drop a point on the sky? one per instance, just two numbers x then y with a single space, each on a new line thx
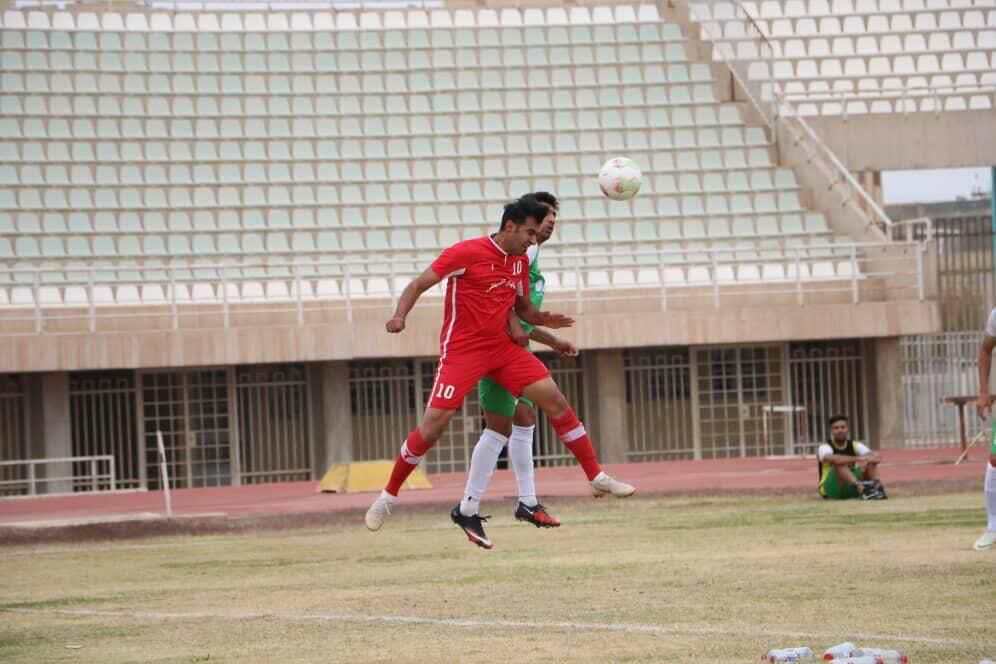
933 186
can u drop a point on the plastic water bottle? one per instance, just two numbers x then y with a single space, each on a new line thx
788 654
887 656
841 650
860 659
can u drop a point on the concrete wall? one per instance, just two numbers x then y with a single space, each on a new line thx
844 214
608 324
906 141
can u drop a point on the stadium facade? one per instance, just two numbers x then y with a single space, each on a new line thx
207 215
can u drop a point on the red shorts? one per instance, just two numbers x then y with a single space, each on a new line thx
510 365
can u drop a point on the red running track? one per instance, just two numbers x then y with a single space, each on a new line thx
660 478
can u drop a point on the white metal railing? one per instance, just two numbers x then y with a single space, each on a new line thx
775 106
905 98
758 89
42 300
816 148
93 480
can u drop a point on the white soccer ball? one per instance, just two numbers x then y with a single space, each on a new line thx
620 178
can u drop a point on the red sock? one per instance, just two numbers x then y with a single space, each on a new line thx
572 433
411 453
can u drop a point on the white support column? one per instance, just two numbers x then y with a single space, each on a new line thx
887 430
334 438
52 428
610 395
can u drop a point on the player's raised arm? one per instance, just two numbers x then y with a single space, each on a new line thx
409 296
561 346
529 313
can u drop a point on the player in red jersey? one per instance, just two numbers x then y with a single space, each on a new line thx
486 278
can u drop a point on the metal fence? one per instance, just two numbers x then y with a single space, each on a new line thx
385 406
934 367
734 386
231 425
660 404
825 378
192 410
103 418
733 402
13 429
274 430
965 270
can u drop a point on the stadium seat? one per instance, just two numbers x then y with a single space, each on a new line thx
245 134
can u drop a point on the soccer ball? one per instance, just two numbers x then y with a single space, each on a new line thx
620 178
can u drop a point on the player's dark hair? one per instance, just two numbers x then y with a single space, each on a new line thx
533 207
836 418
547 198
519 210
513 213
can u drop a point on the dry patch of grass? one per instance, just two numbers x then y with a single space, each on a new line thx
672 580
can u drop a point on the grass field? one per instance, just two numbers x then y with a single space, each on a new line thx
665 580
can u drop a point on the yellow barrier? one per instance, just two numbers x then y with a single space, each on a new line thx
366 476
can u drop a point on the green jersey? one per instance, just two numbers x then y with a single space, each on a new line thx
537 283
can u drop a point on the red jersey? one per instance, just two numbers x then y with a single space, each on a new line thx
482 284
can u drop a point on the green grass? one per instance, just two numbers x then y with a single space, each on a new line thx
669 580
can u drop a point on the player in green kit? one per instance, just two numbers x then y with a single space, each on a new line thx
512 421
984 408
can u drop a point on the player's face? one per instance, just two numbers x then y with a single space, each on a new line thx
839 431
524 236
546 228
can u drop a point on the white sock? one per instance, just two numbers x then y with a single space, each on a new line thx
990 488
384 495
520 455
483 462
600 476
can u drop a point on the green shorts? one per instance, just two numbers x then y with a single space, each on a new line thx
837 490
496 399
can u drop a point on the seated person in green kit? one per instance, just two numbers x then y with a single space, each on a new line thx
847 468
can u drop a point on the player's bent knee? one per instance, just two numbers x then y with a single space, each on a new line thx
434 423
498 423
555 406
525 416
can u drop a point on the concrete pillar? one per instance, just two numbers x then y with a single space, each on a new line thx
871 182
50 427
333 415
610 404
886 429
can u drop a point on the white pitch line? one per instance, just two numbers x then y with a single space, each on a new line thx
632 628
